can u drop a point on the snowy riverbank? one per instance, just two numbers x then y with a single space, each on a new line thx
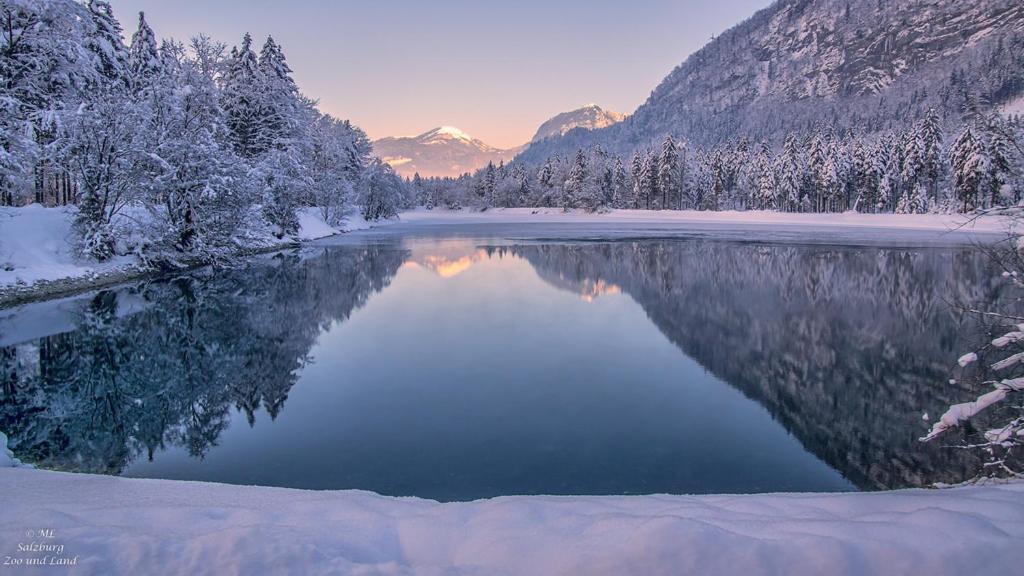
38 260
947 223
131 526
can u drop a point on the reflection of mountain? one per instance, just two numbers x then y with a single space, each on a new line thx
447 265
119 386
844 347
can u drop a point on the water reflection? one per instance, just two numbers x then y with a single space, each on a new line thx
95 398
491 385
846 347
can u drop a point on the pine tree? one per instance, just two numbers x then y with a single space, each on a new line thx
106 42
913 158
242 101
1000 167
143 56
764 169
621 195
790 174
637 171
280 106
668 174
546 180
574 191
817 172
970 167
885 172
932 154
649 178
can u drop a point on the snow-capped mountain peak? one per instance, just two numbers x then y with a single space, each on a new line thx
450 131
589 116
442 151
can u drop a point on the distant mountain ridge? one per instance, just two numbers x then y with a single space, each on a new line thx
590 116
448 151
443 151
863 65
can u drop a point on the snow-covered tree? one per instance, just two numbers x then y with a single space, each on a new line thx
790 175
574 189
932 152
999 166
196 189
339 154
381 192
766 194
143 56
621 187
242 101
105 40
282 115
106 134
668 174
970 166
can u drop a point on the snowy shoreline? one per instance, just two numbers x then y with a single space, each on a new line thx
941 223
36 261
124 526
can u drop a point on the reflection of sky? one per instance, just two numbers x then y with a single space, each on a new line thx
493 382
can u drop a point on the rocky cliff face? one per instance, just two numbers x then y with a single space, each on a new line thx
867 65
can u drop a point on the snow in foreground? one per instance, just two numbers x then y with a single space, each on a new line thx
131 526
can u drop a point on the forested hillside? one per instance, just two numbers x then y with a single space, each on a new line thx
860 65
170 149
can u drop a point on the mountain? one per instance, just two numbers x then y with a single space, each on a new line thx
865 65
590 117
443 151
448 151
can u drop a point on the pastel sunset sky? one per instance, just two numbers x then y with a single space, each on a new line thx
494 69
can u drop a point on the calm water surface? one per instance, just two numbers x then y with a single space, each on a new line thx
463 368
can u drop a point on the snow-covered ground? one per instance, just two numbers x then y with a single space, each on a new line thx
133 526
952 223
36 245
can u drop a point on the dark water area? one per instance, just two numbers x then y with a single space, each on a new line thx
461 368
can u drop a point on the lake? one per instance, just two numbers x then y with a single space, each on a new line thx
465 366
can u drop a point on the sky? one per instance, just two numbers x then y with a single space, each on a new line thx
496 70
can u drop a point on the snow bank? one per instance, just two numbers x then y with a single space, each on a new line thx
127 526
36 245
7 459
313 226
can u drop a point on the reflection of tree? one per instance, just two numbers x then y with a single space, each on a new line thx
843 346
119 386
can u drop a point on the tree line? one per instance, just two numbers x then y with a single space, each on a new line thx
920 169
169 149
